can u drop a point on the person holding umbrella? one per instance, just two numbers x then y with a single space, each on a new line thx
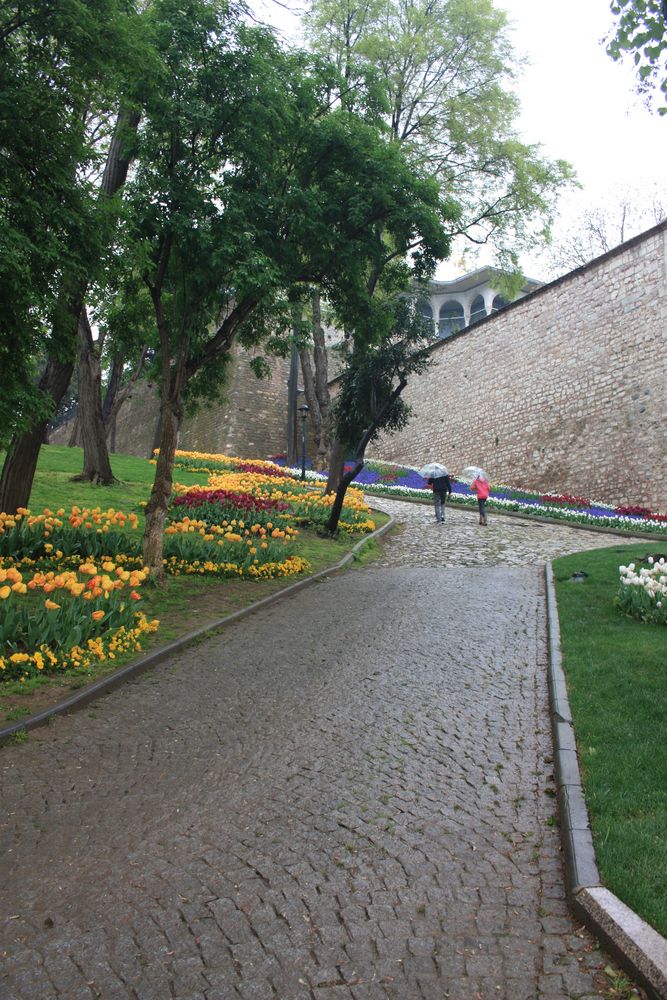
480 486
437 477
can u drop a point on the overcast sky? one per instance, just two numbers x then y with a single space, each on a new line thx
577 103
581 106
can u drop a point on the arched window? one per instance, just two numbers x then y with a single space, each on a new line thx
451 319
499 302
425 313
477 310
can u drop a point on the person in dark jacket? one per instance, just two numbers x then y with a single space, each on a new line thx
442 488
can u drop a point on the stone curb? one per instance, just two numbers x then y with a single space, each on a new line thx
636 946
111 681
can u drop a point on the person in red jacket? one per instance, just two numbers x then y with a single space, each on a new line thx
480 486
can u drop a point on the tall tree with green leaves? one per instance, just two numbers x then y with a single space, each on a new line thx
373 378
247 190
62 68
641 30
442 70
440 75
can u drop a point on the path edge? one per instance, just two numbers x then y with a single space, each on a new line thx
637 947
109 683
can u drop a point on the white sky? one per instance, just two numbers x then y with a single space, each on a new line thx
583 107
576 102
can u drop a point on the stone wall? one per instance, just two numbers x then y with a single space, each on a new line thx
249 420
563 390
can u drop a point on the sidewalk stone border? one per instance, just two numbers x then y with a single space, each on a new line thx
106 684
638 948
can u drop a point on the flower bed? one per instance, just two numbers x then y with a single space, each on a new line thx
385 479
53 621
643 591
69 582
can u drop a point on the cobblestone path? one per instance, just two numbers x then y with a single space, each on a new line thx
347 795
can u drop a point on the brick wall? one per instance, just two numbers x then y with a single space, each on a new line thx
564 390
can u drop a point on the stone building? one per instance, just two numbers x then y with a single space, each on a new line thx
450 306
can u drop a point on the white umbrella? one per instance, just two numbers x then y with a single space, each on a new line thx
472 472
434 470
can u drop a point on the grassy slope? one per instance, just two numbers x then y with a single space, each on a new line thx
57 464
617 678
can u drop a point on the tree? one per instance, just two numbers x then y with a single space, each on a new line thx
441 70
641 29
315 383
62 68
247 191
601 227
438 72
372 382
93 429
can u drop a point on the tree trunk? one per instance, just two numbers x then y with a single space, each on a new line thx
157 434
336 465
113 385
316 387
292 388
334 517
96 464
156 509
332 524
18 470
111 433
116 396
75 432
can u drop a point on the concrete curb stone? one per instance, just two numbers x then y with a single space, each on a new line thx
106 684
636 946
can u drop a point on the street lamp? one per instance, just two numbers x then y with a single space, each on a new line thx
303 410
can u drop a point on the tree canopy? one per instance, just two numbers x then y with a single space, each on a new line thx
641 29
441 73
61 68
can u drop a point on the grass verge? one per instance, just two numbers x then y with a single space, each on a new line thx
617 683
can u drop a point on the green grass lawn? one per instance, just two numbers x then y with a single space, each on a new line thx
58 464
616 671
186 603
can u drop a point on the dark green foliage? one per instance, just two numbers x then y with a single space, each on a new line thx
374 369
641 29
61 67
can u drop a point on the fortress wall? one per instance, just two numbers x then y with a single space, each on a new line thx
249 420
564 390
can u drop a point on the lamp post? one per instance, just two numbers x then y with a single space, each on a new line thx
303 410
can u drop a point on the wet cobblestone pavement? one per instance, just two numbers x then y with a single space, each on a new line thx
346 795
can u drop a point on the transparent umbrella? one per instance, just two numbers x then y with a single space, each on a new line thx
433 471
472 472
